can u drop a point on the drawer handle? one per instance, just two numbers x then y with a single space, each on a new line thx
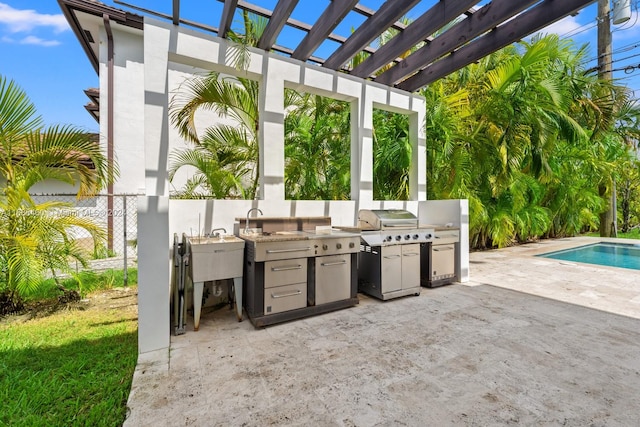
218 251
280 251
293 267
446 248
392 256
410 254
289 294
328 264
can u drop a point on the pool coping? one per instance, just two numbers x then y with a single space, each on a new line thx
612 289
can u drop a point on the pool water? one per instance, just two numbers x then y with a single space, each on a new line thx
621 255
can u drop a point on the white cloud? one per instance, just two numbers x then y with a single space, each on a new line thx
38 41
25 20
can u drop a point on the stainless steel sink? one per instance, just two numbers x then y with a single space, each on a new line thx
216 258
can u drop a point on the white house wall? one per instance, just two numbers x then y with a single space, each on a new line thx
129 98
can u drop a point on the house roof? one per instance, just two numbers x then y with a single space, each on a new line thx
451 33
85 17
93 107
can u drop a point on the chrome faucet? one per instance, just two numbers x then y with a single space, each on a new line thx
246 224
214 232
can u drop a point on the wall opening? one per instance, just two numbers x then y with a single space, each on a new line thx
317 147
391 155
216 117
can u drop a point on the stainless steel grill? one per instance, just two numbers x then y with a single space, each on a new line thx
391 227
389 262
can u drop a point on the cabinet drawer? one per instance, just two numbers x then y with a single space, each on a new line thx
446 237
285 272
270 251
284 298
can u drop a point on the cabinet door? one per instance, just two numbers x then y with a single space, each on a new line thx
391 268
443 261
410 266
333 278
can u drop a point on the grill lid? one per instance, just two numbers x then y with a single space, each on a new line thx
378 219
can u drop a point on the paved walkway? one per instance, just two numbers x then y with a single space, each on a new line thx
528 341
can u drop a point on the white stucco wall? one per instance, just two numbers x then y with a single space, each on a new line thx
128 137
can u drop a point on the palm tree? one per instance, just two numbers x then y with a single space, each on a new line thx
513 151
317 147
33 237
391 156
226 156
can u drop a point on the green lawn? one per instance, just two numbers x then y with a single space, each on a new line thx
633 234
71 368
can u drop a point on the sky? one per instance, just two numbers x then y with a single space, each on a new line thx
41 54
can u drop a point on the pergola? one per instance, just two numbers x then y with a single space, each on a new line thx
143 57
451 33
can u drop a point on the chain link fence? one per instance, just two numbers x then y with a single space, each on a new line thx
116 214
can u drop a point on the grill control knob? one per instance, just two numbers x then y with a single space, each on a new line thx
325 247
388 238
429 235
338 245
415 237
407 237
398 238
352 245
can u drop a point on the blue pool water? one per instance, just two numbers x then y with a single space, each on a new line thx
612 254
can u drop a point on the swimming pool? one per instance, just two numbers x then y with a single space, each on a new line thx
621 255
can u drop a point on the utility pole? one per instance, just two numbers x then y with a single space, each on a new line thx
604 40
608 218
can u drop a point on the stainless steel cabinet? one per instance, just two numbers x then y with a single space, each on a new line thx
410 266
285 285
332 278
391 268
443 262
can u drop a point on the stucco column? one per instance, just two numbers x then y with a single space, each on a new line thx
153 273
364 138
153 209
271 130
417 136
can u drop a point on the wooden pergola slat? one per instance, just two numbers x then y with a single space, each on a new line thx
388 14
228 10
532 20
484 19
368 13
484 31
293 23
432 20
330 18
176 12
277 21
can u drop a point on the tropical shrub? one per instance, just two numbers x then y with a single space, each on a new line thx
35 237
530 139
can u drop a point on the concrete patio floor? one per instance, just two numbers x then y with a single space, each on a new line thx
527 341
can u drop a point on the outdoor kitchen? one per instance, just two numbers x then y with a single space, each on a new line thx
277 269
